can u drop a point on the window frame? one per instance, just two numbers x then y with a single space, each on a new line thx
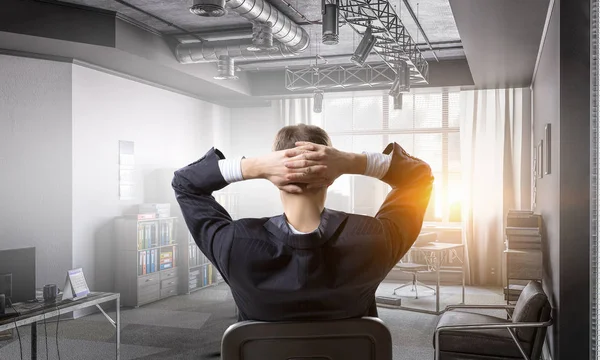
386 131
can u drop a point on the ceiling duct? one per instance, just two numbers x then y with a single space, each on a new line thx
331 23
262 37
284 29
292 38
210 51
208 8
226 68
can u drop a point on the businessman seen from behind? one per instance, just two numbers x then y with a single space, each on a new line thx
310 263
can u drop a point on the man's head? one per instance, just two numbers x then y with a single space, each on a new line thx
287 137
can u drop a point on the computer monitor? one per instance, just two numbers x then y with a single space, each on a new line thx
20 263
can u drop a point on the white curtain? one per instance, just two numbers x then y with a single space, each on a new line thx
496 167
295 111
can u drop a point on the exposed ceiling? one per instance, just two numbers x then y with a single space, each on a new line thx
434 16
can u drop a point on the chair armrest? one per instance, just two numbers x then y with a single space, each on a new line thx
508 326
495 326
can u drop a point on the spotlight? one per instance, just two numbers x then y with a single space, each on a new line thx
330 25
398 102
226 68
318 97
402 82
262 37
364 48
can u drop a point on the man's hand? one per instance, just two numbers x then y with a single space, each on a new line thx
319 165
272 167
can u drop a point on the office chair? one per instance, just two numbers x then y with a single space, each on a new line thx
408 265
365 338
465 335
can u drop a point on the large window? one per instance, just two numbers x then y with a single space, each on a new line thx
427 127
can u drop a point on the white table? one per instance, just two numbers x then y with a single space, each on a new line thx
436 253
30 314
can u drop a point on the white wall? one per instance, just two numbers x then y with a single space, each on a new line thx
169 131
252 134
35 162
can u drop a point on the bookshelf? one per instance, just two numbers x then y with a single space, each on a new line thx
147 259
200 272
523 253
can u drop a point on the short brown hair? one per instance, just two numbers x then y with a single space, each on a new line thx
287 137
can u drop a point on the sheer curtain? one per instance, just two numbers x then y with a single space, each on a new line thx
295 111
496 166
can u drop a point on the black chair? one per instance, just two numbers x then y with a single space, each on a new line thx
365 338
471 336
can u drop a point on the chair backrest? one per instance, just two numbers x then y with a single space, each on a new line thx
365 338
532 306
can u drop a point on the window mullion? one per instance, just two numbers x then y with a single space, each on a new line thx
445 177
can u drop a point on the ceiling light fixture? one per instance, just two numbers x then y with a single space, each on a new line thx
208 8
330 26
226 68
398 102
402 82
318 101
262 37
364 47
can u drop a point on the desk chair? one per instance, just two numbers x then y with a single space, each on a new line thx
465 335
365 338
408 265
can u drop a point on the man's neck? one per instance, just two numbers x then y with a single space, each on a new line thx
302 212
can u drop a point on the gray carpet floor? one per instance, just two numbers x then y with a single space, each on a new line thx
191 326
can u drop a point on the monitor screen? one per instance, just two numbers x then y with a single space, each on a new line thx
20 263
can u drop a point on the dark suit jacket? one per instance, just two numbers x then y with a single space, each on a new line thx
333 273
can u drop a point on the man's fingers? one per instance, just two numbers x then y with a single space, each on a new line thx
311 155
298 150
292 189
307 174
307 143
298 164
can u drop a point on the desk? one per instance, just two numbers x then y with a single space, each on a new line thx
31 315
440 251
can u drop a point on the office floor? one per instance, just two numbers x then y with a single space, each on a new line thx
190 327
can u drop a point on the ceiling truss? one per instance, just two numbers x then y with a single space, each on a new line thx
394 44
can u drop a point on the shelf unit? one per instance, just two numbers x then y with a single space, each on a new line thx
198 273
147 259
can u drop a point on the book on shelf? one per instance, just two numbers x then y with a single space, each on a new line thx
520 231
522 245
159 210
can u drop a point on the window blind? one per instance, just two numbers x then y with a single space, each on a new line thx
427 127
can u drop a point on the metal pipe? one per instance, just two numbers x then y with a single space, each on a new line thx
217 35
206 52
284 29
292 38
414 17
242 62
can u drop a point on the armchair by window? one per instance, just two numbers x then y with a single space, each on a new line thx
465 335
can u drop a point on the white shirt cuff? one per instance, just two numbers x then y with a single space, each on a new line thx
378 164
231 169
